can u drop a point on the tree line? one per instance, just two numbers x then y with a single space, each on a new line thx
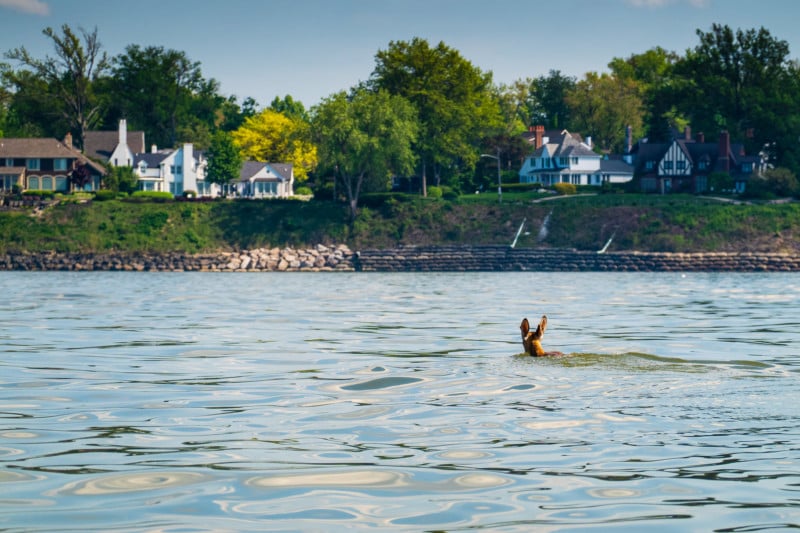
425 110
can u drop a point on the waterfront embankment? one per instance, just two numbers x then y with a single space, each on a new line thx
341 258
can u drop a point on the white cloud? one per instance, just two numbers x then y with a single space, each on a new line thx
34 7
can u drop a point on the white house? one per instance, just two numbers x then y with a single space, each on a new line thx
174 171
562 157
265 180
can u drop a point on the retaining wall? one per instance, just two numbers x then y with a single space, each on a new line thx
409 259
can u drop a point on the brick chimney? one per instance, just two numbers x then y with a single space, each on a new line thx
68 140
724 162
539 135
701 138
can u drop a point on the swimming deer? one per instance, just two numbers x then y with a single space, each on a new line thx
531 340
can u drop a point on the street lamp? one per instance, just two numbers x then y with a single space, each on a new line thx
499 182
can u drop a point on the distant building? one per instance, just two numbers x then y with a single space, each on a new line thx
685 164
265 180
116 148
43 164
175 171
562 157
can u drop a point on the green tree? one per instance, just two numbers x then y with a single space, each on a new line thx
121 179
603 105
155 89
653 72
273 137
364 139
224 159
453 98
743 82
65 83
547 104
290 107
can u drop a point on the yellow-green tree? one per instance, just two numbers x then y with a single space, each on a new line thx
273 137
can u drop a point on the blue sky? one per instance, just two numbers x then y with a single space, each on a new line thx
312 48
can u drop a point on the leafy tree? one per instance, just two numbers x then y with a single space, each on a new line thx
156 89
224 159
80 177
271 136
364 139
514 105
547 105
654 74
121 179
781 181
66 82
453 98
290 107
743 82
603 106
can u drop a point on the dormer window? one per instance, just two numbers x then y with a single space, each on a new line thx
142 167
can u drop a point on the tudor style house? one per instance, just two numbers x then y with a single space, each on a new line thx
44 164
265 180
685 164
563 157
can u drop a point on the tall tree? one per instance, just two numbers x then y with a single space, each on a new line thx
452 96
653 72
365 139
224 159
547 105
743 82
67 80
290 107
603 105
156 88
271 136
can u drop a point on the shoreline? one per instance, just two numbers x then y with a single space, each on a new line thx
340 258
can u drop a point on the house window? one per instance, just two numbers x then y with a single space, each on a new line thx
702 165
667 165
562 161
747 168
33 164
47 183
61 183
179 169
33 183
574 160
648 165
60 164
9 162
680 165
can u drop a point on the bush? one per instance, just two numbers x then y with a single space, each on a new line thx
39 193
565 188
434 192
521 187
104 195
151 196
304 191
378 199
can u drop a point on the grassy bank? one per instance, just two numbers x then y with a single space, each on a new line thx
636 222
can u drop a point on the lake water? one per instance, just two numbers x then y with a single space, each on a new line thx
320 402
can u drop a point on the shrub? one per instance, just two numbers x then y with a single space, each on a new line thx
565 188
151 196
104 195
304 191
434 192
39 193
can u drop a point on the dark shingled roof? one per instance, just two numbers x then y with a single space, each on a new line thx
100 144
43 149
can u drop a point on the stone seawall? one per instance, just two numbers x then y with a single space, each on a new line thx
317 259
504 259
408 259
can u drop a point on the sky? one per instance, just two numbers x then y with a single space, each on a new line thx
310 49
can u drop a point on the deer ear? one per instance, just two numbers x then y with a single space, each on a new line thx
542 325
525 327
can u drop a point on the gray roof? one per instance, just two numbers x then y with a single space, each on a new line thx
616 166
251 168
100 144
43 148
151 159
567 146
